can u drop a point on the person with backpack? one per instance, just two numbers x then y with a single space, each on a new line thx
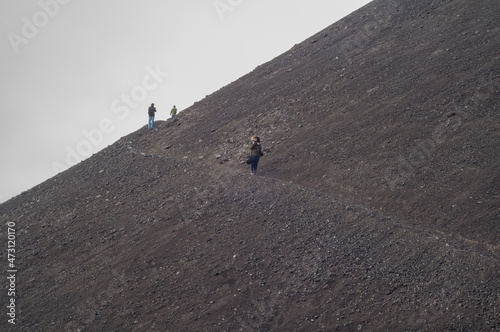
255 152
151 112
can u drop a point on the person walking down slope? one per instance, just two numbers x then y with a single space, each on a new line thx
173 112
151 112
255 153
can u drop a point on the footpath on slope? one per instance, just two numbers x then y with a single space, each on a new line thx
457 243
319 242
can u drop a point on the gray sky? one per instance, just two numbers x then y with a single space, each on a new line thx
76 75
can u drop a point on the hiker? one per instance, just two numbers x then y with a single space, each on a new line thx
255 153
151 112
173 112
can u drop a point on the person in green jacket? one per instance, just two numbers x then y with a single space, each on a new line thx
255 153
173 112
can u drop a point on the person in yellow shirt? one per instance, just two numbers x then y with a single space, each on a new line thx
173 112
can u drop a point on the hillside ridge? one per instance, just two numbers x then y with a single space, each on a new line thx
375 207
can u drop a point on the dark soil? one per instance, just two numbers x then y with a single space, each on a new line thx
376 206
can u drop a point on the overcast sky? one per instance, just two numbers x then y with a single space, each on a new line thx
76 75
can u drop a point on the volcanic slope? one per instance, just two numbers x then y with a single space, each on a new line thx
376 207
